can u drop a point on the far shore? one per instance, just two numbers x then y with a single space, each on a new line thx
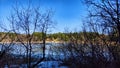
34 42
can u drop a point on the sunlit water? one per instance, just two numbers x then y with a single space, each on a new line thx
19 49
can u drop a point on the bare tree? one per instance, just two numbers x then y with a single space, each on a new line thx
107 13
104 18
26 21
44 26
6 43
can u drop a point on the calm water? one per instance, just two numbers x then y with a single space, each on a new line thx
51 51
19 49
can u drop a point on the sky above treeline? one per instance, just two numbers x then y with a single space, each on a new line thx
67 13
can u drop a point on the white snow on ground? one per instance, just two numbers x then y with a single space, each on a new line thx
51 64
47 64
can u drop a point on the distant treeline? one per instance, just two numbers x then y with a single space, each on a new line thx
37 36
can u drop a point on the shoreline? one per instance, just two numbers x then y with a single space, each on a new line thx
34 42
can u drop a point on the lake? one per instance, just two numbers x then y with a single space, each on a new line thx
54 51
19 50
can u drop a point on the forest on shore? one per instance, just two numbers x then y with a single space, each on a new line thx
54 37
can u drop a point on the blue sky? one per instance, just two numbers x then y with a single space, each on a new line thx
68 13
